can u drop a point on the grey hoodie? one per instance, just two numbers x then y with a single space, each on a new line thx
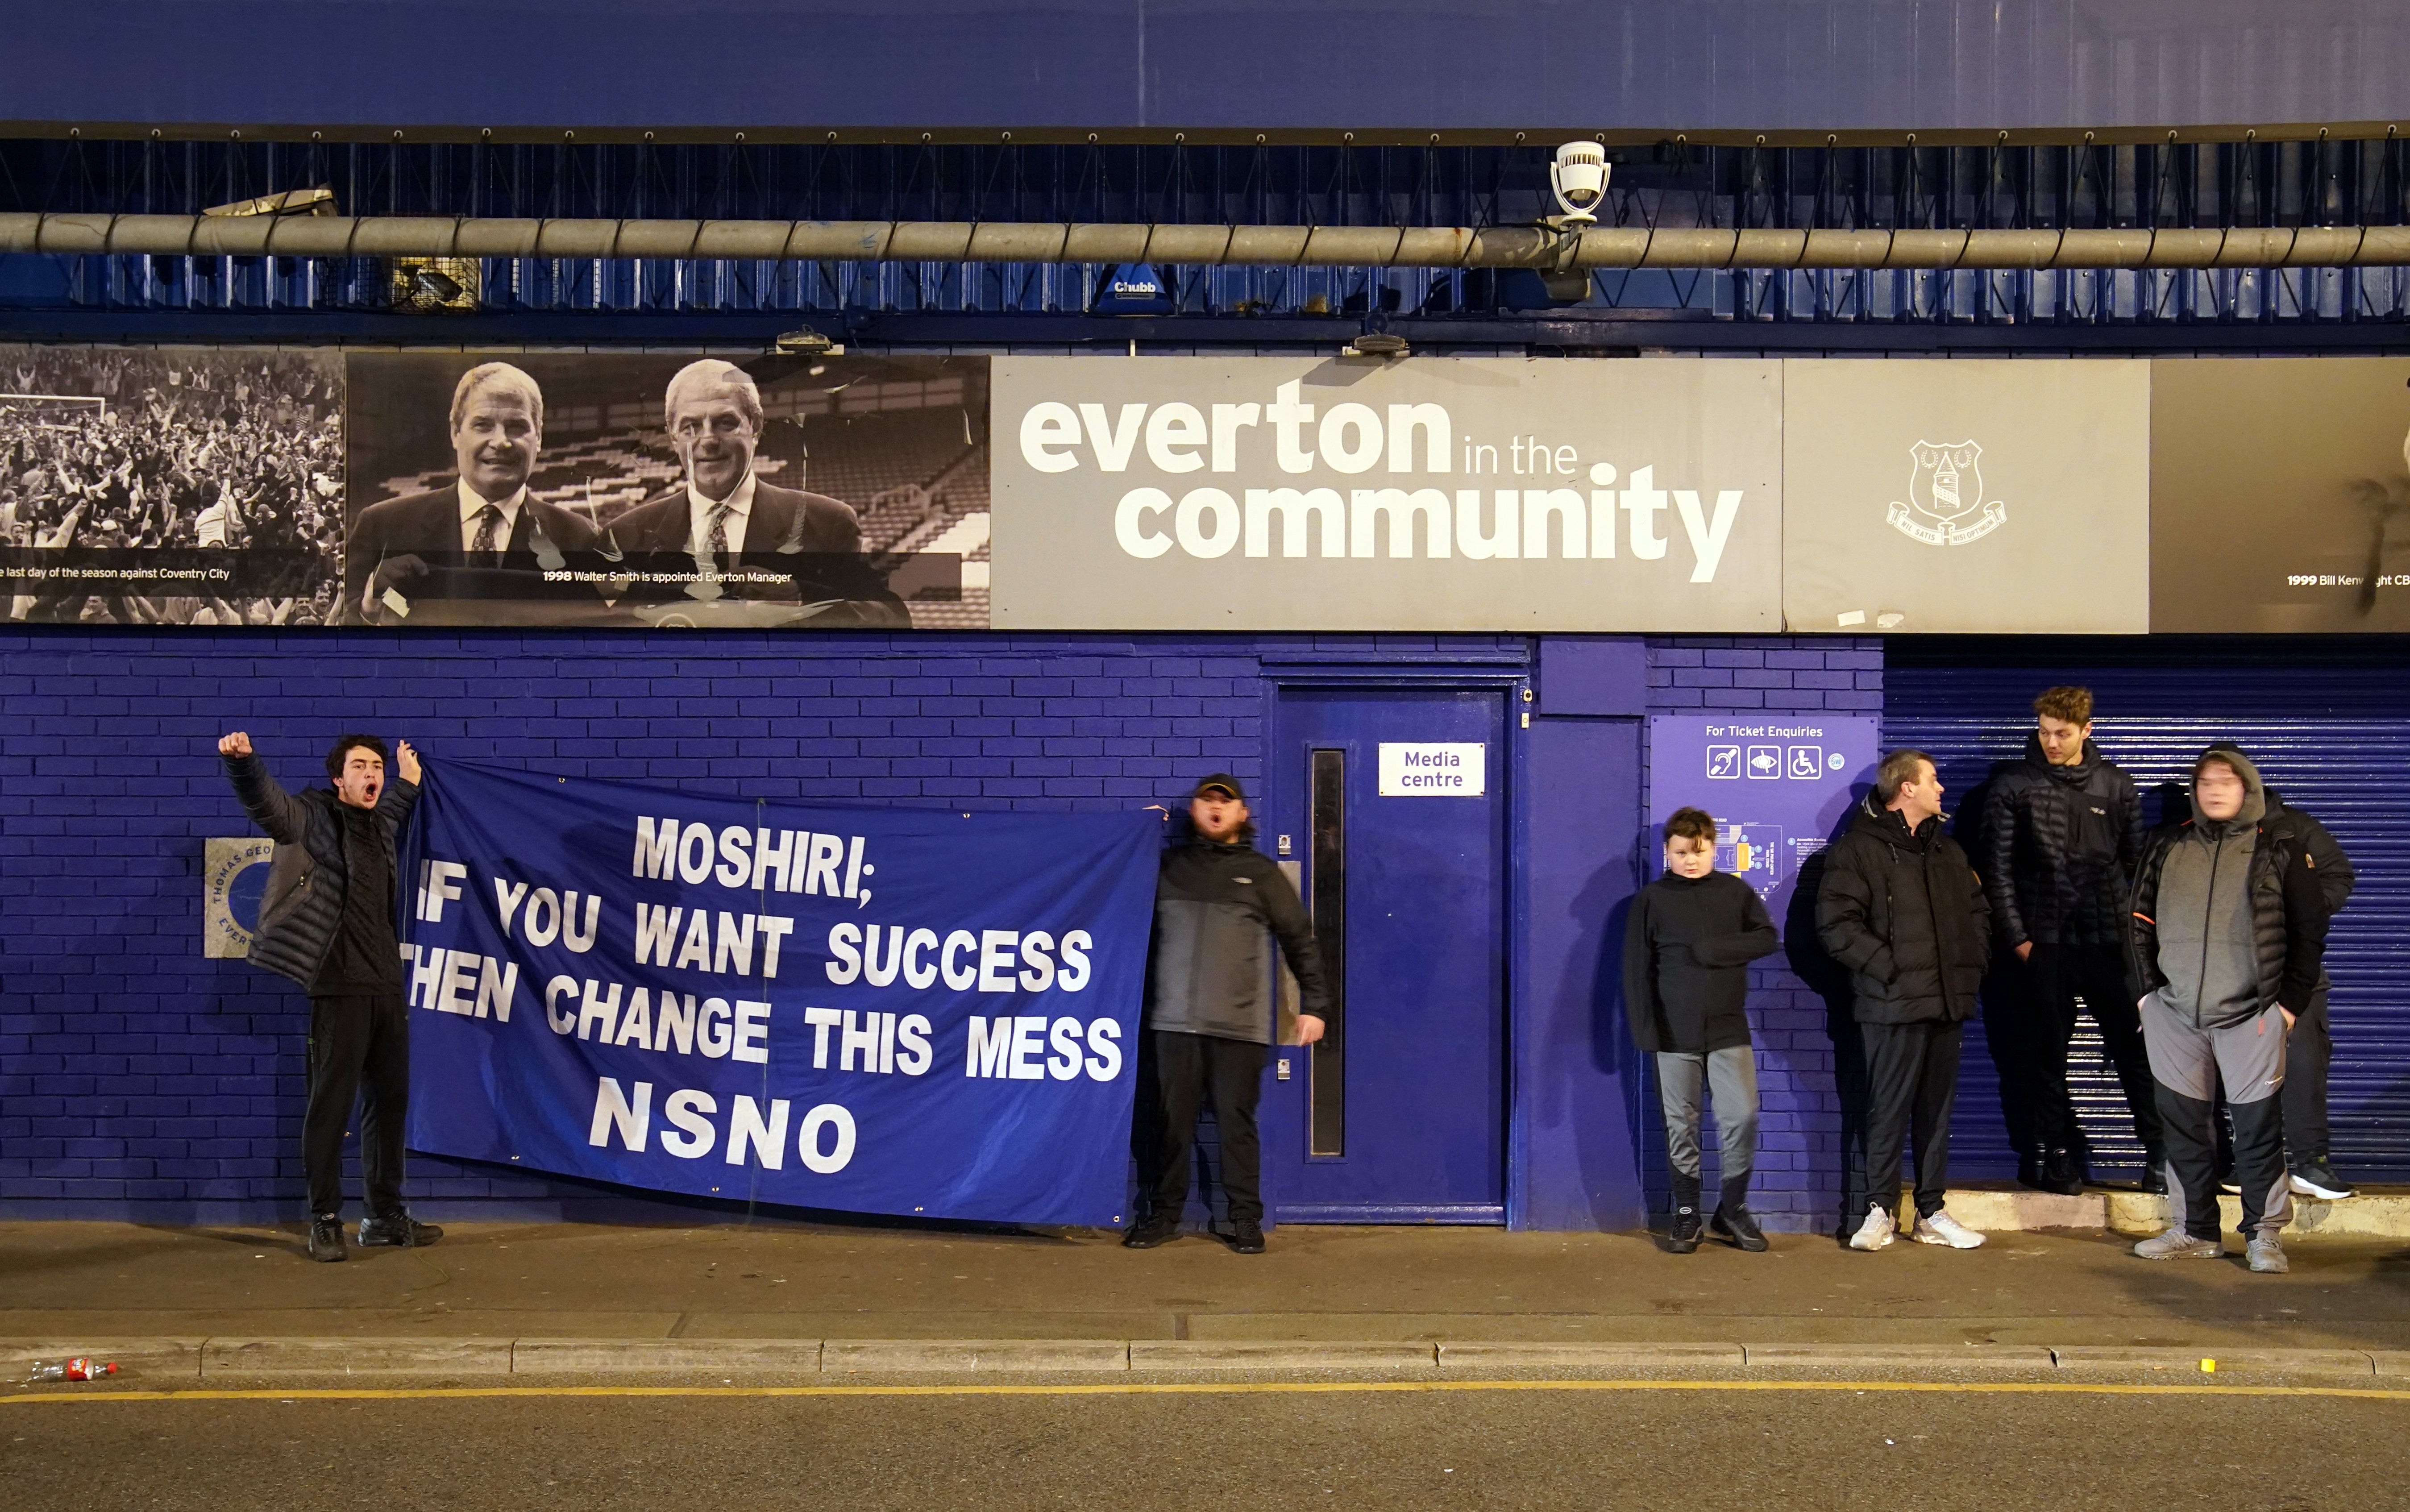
2207 946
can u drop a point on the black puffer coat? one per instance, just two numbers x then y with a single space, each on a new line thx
2059 846
1905 914
303 906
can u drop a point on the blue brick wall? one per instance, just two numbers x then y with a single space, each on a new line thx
139 1080
1800 1155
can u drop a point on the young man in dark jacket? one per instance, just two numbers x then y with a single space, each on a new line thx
1686 955
2228 932
1901 908
2061 831
326 921
2310 1048
1208 1012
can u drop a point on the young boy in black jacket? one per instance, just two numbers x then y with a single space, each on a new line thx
1686 956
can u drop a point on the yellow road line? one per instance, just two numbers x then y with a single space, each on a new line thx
437 1393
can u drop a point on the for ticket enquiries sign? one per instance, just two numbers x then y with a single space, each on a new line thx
1779 788
1297 493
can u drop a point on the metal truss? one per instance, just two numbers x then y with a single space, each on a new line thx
2318 181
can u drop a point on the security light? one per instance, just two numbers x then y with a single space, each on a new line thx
807 342
1377 344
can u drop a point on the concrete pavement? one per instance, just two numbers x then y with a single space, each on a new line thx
789 1297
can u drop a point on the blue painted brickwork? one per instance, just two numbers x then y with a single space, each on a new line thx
1799 1147
140 1080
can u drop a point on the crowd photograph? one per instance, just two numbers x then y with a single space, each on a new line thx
131 464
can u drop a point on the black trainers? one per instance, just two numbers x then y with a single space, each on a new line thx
327 1237
1246 1238
1739 1226
400 1231
2059 1174
1151 1232
1684 1236
2315 1178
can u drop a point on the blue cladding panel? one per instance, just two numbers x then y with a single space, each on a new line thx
1578 1080
1592 675
1743 64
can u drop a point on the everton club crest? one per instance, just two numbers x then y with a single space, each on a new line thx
1946 505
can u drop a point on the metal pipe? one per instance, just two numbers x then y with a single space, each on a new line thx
1002 241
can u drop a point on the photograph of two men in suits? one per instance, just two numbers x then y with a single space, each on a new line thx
626 525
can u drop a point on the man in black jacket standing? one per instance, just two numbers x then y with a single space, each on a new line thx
2228 933
2062 832
1901 908
1208 1012
326 921
2310 1048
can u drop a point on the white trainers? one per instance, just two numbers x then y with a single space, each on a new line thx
1941 1228
2266 1254
2175 1244
1875 1232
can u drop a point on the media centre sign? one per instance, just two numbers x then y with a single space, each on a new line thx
1438 769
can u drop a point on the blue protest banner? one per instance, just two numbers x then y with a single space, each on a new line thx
1778 785
911 1011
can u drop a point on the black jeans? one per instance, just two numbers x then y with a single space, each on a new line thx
355 1044
2305 1097
1178 1073
2033 1081
1911 1083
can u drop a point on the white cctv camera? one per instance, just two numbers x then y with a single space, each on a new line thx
1579 175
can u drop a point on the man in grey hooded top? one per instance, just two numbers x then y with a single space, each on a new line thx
2228 931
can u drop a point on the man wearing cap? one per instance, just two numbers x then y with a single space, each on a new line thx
1208 1012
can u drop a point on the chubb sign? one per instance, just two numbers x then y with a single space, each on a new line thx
1344 494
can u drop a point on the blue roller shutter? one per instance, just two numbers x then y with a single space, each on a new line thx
2328 719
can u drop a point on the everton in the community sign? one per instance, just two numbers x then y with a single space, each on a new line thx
910 1012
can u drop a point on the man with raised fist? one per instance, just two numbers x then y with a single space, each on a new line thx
326 921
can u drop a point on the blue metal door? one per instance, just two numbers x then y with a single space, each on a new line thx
1399 1115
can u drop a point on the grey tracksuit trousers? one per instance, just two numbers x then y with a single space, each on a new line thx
1731 1078
2188 1063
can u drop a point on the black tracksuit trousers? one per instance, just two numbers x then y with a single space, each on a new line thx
1178 1074
2033 1084
1911 1083
356 1044
2304 1096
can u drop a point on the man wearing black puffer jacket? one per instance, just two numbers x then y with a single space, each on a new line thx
1218 902
2310 1047
1901 908
2228 932
2061 831
326 921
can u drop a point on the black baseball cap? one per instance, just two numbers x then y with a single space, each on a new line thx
1223 780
